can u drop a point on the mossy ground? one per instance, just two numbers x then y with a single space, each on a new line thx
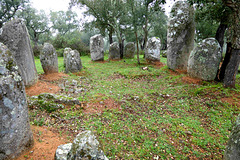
161 115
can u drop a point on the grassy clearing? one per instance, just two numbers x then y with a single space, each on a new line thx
161 116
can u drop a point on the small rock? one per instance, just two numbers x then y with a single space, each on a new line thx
85 146
62 151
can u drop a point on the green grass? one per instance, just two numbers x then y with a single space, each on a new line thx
161 116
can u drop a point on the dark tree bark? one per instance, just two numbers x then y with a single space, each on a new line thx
220 34
233 49
222 70
121 50
110 33
121 46
232 68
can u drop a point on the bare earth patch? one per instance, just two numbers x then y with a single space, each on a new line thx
45 144
99 107
52 77
158 65
191 80
42 87
234 101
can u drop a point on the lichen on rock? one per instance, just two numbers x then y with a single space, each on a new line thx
180 38
15 36
97 48
49 59
73 62
51 102
204 60
153 48
15 132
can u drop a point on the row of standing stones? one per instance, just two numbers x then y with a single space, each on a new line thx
17 70
152 51
201 61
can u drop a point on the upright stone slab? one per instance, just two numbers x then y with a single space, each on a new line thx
49 59
152 51
114 51
15 36
129 51
204 60
232 151
73 63
97 48
180 38
65 53
15 132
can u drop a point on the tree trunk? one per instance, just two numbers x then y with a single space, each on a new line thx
137 48
145 33
232 69
121 47
233 59
221 72
220 34
110 36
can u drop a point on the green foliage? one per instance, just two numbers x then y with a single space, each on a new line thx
8 8
37 23
60 52
208 16
64 22
71 40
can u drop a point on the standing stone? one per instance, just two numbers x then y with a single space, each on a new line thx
96 48
232 151
180 38
129 50
65 53
204 60
15 36
73 63
152 51
15 132
114 51
49 59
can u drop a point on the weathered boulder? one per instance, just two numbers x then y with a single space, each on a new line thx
85 146
62 151
15 132
15 36
232 151
152 51
66 51
180 38
129 50
114 51
204 60
73 63
49 59
96 48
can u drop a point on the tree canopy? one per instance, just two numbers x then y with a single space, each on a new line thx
8 8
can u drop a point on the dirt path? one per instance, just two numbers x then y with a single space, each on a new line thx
45 144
